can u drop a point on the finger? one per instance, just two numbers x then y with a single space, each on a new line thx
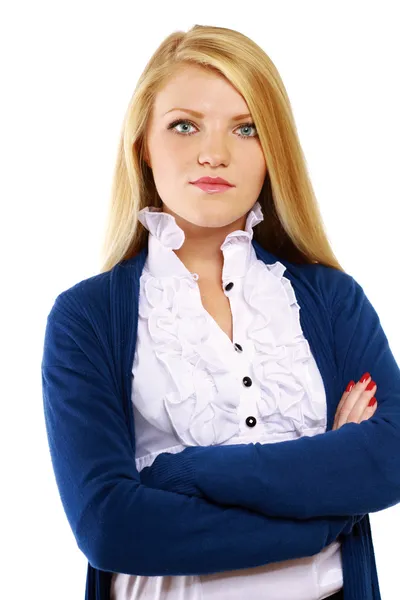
361 404
351 400
368 412
344 397
339 406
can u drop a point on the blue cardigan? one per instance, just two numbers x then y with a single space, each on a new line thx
218 508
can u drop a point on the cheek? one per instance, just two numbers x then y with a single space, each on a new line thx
166 156
253 166
169 171
172 151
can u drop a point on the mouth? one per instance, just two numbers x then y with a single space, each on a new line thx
215 180
213 188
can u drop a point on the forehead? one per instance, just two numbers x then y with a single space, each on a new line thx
198 88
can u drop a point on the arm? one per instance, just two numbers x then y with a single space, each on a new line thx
118 523
349 471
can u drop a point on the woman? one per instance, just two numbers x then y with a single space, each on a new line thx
209 399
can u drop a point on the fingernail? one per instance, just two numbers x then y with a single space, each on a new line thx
350 386
365 377
372 402
371 385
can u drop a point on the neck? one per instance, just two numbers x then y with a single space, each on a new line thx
208 269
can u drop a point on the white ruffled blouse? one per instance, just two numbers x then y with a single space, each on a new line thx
192 386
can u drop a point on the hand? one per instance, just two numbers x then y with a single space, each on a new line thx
353 406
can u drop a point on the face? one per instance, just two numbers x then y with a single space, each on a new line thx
213 145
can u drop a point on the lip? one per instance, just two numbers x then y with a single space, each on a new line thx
213 180
213 188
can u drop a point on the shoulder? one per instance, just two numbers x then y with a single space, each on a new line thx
330 285
313 283
89 295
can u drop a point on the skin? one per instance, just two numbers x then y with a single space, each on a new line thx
208 146
216 149
353 406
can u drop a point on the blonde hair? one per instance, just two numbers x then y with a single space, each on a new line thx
292 228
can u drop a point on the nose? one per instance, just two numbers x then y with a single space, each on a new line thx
214 150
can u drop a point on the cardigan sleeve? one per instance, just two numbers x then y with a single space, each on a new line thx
349 471
118 523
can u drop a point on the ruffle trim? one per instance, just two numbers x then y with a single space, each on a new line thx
203 409
164 227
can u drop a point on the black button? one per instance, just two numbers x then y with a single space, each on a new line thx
251 421
238 348
229 286
247 381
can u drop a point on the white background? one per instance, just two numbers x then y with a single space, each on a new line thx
68 71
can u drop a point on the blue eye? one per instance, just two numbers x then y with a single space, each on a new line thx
248 125
186 122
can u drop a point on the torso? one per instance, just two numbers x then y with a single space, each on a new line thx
217 305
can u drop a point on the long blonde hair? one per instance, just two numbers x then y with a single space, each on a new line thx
292 228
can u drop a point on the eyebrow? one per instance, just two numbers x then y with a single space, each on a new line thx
200 115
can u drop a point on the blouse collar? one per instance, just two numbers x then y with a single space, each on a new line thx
165 235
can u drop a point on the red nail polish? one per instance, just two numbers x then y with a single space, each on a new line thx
350 386
365 377
370 386
372 402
